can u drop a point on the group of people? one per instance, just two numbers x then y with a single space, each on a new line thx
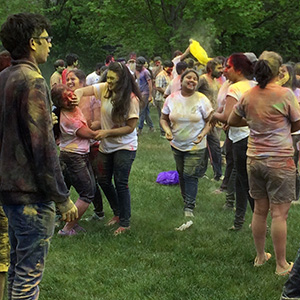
96 128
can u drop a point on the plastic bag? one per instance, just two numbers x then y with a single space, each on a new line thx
168 178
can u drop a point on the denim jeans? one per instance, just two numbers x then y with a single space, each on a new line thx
296 139
159 105
214 152
30 228
78 173
117 164
291 288
190 166
145 113
98 201
241 184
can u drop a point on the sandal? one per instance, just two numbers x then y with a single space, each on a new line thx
287 271
114 220
121 230
267 257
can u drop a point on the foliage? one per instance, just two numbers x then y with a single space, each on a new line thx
96 28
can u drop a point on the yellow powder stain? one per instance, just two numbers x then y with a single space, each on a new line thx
30 211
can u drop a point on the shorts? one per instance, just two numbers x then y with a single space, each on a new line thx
272 178
4 242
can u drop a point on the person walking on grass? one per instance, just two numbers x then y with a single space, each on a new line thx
184 119
120 98
31 181
272 112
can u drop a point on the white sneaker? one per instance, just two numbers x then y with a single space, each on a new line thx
188 213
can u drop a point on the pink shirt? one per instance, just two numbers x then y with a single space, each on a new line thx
269 113
70 122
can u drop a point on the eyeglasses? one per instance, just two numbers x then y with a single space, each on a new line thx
47 38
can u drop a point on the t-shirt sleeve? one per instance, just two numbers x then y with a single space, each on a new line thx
233 92
134 109
294 108
99 89
205 107
166 109
70 126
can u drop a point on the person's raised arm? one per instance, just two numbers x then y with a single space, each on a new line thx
85 91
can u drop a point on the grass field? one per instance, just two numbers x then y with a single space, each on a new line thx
153 261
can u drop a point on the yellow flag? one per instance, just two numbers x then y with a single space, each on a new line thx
198 52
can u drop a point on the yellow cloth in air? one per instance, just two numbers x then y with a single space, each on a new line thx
198 52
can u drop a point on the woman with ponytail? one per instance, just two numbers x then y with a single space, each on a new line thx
272 113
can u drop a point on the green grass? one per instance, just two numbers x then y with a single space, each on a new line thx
153 261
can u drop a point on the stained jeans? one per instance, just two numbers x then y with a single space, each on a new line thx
145 113
291 288
30 228
117 164
190 166
241 184
214 152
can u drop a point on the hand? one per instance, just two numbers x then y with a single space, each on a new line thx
68 210
95 125
213 120
54 118
169 135
150 99
76 97
199 139
102 134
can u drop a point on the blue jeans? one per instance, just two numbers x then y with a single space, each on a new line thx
241 184
30 228
117 164
145 113
214 152
291 288
78 172
190 166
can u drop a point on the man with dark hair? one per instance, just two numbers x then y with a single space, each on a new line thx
72 63
31 180
209 86
175 84
56 78
94 77
162 80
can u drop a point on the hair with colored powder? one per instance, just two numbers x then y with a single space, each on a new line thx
187 72
121 98
17 31
211 65
241 63
267 67
292 82
59 63
80 75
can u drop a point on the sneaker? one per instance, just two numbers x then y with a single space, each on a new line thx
114 220
70 232
188 214
139 132
151 129
121 230
228 207
288 298
95 217
78 228
204 177
234 228
296 202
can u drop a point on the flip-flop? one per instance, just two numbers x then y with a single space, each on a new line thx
287 271
267 257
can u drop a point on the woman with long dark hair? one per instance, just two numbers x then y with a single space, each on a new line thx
120 98
272 113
